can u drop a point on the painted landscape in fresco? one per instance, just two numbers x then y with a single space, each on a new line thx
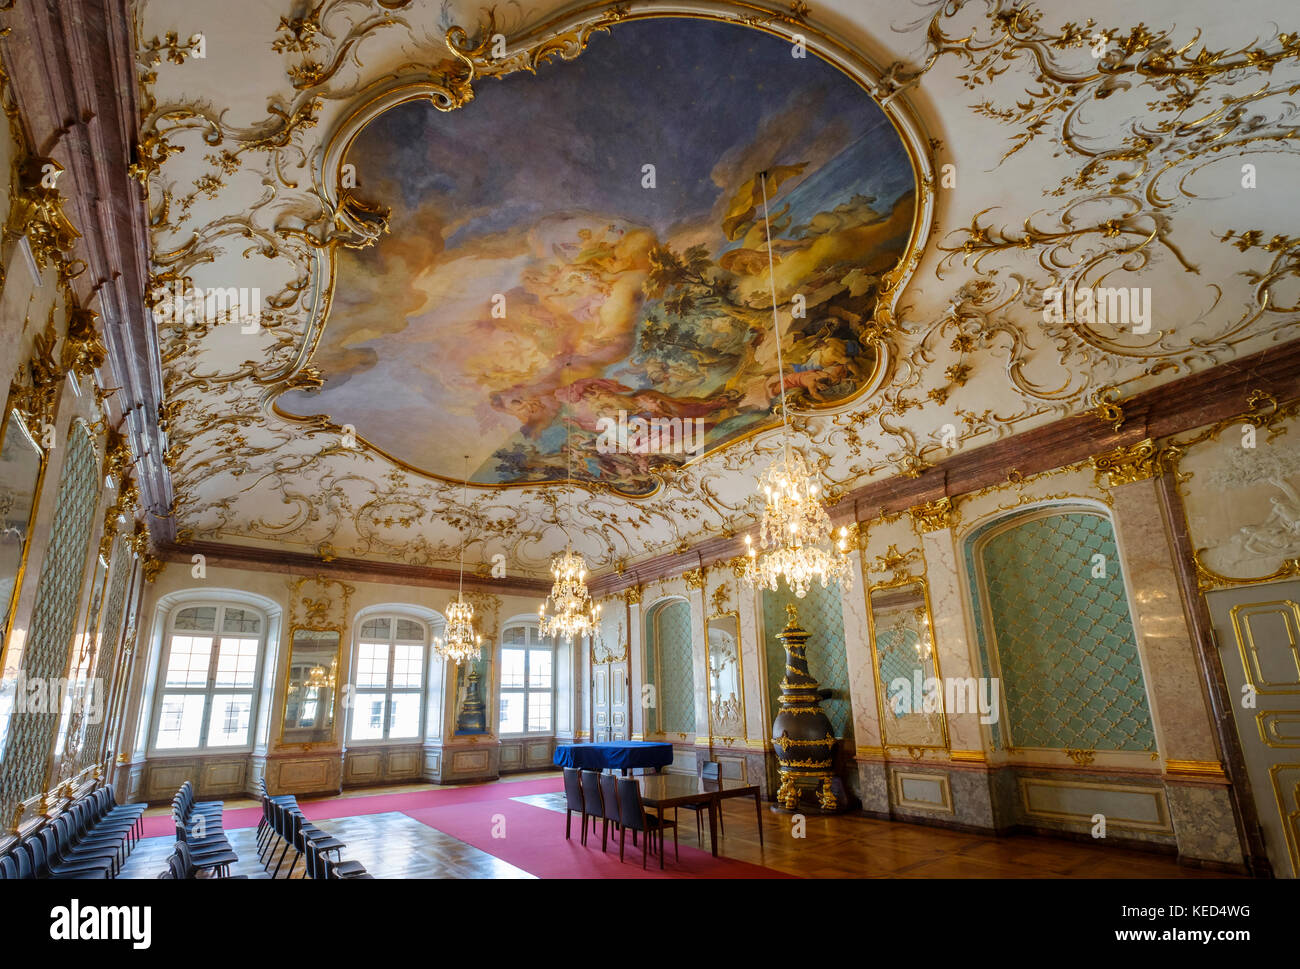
532 284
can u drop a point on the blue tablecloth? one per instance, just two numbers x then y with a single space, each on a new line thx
620 755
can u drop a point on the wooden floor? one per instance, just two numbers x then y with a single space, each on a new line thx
393 845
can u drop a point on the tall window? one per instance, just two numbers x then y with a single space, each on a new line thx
210 678
389 699
527 681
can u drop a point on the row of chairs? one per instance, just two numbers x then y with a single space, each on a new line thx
90 839
199 830
284 827
611 799
181 864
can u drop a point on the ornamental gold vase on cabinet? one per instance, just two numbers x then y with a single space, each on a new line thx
802 734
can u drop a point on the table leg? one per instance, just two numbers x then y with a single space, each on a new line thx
758 806
713 825
661 838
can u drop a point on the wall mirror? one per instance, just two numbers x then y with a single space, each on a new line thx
21 464
312 686
907 669
726 708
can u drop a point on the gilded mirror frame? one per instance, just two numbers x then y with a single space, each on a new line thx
13 413
734 615
333 738
882 696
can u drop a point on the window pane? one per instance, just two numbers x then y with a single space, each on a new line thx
539 669
539 712
187 665
512 668
197 619
240 621
405 715
407 664
237 664
515 634
228 723
180 721
512 713
372 665
368 716
375 629
410 631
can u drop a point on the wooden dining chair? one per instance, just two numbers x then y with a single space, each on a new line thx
709 771
634 818
573 802
593 805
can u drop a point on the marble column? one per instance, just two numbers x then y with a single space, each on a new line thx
873 777
1199 804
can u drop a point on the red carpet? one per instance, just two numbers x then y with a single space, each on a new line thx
350 807
534 838
535 842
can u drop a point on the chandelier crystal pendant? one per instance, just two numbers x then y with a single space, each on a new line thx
459 642
573 613
796 541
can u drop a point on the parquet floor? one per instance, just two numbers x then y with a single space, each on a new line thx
393 845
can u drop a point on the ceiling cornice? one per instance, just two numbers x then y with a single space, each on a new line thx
217 554
1181 405
72 69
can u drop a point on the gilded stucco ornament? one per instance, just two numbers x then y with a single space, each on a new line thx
1129 463
933 516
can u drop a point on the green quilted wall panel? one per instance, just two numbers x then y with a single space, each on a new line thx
1070 669
670 665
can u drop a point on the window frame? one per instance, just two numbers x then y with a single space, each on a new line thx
538 643
386 718
210 690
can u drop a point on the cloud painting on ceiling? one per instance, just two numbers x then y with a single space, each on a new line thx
534 281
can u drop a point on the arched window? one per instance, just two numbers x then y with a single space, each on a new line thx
210 663
527 681
670 668
389 679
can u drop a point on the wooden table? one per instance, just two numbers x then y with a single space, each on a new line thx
662 791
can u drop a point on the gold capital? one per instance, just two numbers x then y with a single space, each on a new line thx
1129 463
935 515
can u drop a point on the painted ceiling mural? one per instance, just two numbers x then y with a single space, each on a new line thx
1032 149
538 278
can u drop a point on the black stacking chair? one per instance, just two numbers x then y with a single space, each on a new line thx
264 828
8 868
573 801
111 810
70 850
88 829
634 818
709 772
593 805
609 798
48 863
95 819
318 864
190 863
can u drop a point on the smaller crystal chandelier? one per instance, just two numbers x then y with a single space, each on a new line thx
459 642
574 612
796 541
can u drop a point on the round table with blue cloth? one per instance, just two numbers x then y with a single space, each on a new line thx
617 755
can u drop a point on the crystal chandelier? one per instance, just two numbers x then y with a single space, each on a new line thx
459 642
796 541
574 614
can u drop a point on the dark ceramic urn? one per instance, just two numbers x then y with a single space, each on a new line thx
801 733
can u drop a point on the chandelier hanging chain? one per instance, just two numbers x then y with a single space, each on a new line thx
797 541
776 323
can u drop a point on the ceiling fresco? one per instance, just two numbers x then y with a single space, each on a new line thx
1003 150
537 278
